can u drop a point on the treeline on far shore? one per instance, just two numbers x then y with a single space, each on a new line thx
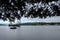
36 23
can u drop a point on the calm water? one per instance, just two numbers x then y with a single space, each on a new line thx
36 32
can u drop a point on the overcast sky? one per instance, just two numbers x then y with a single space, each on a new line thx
25 20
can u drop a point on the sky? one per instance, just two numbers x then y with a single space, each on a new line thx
48 19
25 20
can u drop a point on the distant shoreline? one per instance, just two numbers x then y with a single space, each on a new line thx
36 23
42 23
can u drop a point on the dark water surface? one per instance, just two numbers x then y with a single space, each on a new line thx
37 32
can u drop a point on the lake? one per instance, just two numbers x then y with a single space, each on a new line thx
30 32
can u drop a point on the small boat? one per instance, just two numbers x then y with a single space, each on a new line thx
12 27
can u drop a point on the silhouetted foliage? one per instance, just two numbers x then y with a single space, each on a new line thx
12 9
